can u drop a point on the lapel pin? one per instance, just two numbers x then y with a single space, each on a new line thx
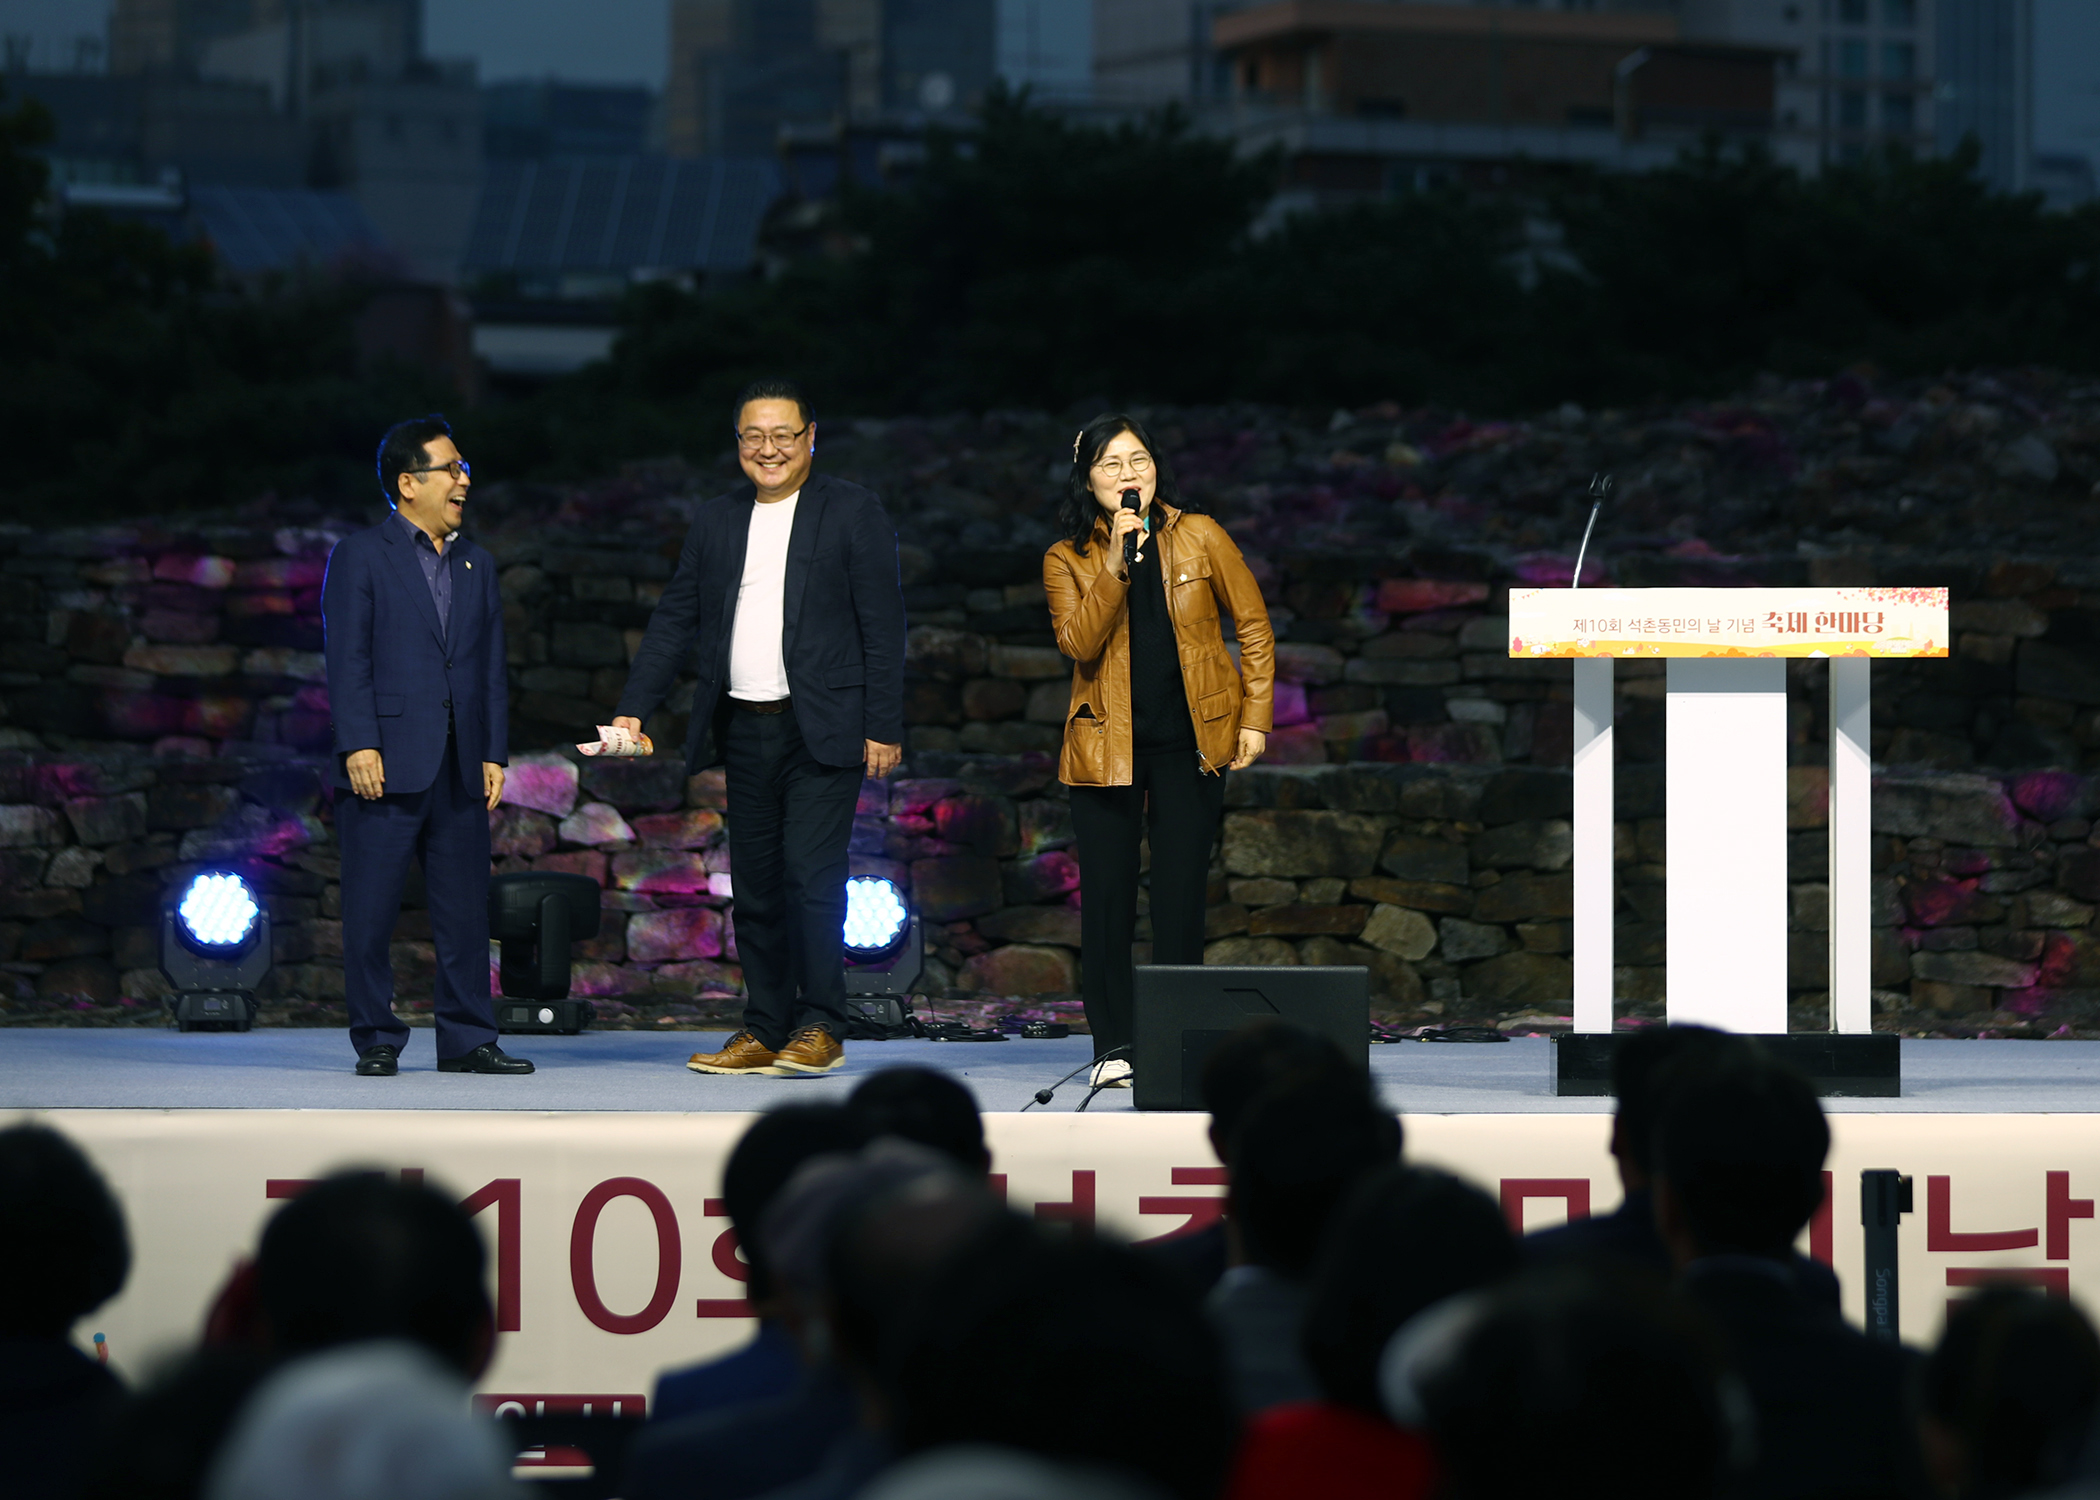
470 567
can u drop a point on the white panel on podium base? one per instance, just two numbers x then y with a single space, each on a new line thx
1726 845
1595 893
1851 847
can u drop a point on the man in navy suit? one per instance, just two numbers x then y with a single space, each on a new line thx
786 602
414 638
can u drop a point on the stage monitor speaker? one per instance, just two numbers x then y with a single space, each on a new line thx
1184 1010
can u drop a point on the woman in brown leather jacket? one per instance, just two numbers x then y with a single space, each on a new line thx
1158 714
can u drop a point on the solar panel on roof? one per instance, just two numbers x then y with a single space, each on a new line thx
275 229
635 230
619 214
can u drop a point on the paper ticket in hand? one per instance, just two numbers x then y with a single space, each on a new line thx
617 739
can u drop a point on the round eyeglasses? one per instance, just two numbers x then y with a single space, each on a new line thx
1114 468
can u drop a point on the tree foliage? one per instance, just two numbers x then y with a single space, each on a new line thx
1037 262
134 379
1046 264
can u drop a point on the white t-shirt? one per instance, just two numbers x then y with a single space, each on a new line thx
757 670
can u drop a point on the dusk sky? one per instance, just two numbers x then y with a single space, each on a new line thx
622 41
605 41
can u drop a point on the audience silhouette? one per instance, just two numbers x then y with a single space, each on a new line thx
922 1105
362 1282
64 1252
1305 1142
1521 1388
1407 1239
1738 1162
778 1143
2006 1400
1235 1073
780 1430
1353 1329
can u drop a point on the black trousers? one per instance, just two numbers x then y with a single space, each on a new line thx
1171 800
790 819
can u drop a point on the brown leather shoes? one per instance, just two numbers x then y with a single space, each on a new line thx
745 1054
810 1050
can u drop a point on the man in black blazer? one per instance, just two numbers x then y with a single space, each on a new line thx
412 623
1641 1066
1738 1156
787 603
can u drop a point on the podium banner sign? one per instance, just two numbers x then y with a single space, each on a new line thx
1743 622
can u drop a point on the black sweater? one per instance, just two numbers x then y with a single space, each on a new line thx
1159 704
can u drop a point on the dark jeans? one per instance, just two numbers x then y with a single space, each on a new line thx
1172 800
445 829
790 819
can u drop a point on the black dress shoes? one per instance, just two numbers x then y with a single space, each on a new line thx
487 1058
379 1062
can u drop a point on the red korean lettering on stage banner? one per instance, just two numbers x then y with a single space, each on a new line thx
506 1194
728 1258
1940 1233
1517 1191
2059 1208
2055 1280
1821 1229
1201 1211
583 1238
1079 1212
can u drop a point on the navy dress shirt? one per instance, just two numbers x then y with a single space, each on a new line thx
435 573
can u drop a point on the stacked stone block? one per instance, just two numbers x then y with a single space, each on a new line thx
162 698
1451 883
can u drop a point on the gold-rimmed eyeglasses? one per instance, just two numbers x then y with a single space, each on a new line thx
1115 468
752 440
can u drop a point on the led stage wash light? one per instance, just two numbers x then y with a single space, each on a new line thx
884 950
215 950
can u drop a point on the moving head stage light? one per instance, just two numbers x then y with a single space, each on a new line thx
884 955
535 916
215 950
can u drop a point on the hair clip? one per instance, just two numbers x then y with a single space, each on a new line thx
1075 443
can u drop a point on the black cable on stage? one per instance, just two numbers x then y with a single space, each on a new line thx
1044 1096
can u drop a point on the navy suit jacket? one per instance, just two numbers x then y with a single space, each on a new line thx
842 622
391 671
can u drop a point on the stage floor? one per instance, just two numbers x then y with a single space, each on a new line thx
643 1071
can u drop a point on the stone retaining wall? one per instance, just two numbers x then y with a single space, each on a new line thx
1450 882
172 668
208 642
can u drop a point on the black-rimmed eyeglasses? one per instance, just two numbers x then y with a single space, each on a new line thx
459 468
780 437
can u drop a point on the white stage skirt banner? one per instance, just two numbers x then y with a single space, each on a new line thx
612 1259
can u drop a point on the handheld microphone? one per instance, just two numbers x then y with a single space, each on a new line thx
1130 538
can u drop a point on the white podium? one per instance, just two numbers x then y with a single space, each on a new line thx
1726 716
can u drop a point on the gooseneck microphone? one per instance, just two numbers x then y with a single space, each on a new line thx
1130 538
1600 491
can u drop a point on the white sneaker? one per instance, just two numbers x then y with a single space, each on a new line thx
1109 1073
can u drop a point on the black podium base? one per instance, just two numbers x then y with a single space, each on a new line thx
1843 1065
